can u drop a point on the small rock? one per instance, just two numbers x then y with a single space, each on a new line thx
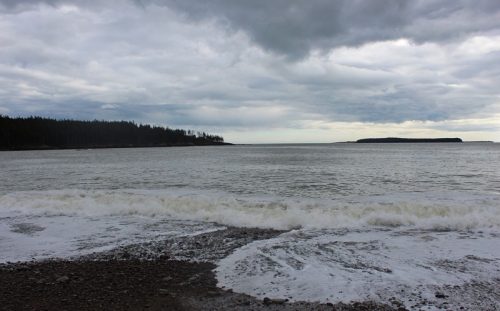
22 268
62 279
167 279
278 301
397 303
163 291
440 295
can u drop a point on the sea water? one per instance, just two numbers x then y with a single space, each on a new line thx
382 222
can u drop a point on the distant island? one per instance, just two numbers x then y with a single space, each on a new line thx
409 140
36 133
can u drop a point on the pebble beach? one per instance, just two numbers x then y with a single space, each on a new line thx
150 276
143 277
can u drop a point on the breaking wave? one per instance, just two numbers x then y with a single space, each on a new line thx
452 211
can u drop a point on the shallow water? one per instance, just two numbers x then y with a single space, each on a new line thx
367 221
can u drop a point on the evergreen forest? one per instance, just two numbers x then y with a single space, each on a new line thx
45 133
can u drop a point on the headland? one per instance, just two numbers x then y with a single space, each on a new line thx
409 140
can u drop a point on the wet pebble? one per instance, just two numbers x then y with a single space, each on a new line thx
62 279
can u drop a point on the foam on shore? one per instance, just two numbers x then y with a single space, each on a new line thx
406 266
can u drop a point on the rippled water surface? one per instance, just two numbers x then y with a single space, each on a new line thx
324 171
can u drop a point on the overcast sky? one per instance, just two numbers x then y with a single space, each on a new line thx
258 70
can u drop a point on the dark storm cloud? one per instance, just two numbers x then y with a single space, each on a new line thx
294 28
10 4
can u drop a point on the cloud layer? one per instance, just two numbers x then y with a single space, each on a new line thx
254 66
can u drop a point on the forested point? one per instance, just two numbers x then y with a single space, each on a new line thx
45 133
409 140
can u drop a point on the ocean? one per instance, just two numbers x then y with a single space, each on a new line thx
382 222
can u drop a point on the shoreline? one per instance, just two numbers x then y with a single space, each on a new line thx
79 148
147 276
134 284
138 276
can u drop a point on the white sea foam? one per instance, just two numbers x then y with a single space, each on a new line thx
25 237
429 211
408 266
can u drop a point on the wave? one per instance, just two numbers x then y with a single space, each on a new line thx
445 211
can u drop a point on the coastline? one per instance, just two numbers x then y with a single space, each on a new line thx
149 276
132 284
40 148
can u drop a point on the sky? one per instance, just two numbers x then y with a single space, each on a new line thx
258 71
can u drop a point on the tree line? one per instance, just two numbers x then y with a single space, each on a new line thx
45 133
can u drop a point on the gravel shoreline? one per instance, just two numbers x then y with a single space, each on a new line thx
159 284
161 275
